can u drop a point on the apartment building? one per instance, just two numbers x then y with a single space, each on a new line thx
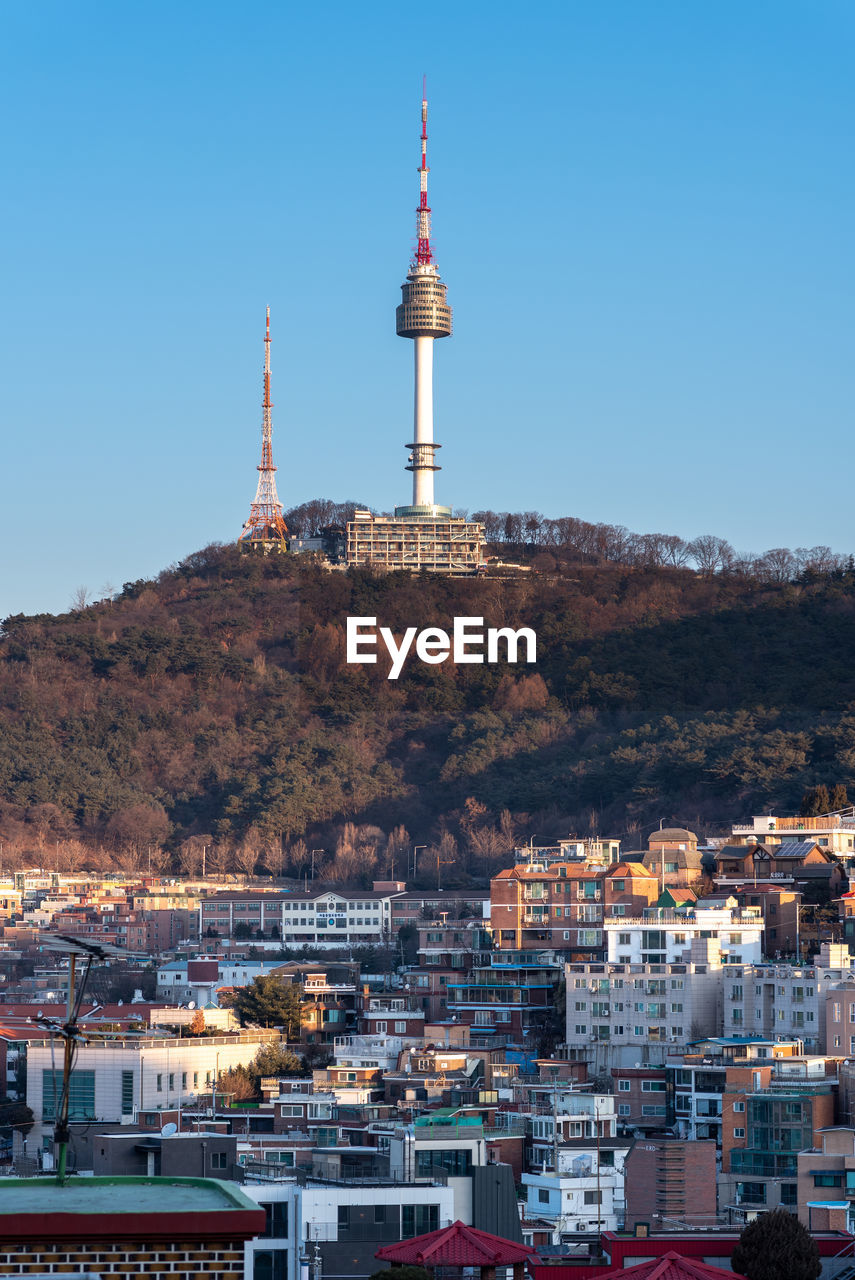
625 1013
665 936
581 1185
512 995
338 1226
760 1170
593 850
672 855
785 1001
558 906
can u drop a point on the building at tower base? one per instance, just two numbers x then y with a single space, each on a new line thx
433 540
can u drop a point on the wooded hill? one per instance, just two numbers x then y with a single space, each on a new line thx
214 706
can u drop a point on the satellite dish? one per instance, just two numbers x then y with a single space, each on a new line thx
168 1130
192 1004
121 1002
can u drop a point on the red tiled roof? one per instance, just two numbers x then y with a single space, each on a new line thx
456 1246
671 1266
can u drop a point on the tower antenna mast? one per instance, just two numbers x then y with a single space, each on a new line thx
265 526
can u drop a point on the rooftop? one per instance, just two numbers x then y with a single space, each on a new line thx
43 1208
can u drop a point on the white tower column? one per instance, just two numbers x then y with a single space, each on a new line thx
423 417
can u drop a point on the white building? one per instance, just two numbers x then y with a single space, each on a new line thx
181 981
113 1080
663 936
418 1151
326 1219
330 918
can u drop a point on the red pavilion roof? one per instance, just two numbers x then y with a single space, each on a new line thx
671 1266
458 1246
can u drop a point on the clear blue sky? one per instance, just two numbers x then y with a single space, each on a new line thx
643 212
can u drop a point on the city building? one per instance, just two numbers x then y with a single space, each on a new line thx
627 1013
670 1181
786 1001
665 936
330 917
115 1079
557 905
129 1226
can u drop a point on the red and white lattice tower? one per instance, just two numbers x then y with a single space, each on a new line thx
423 315
265 523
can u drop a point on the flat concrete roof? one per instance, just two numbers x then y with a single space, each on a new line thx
89 1209
120 1196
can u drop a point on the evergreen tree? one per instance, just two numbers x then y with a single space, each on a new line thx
839 798
277 1060
269 1001
775 1246
815 801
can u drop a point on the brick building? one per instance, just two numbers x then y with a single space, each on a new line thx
669 1180
139 1226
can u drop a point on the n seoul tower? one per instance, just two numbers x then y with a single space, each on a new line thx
423 315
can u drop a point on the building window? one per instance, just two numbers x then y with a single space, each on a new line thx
81 1094
739 1133
624 1086
418 1219
160 1084
543 1197
828 1179
276 1226
624 1109
739 1106
127 1093
593 1197
270 1264
218 1159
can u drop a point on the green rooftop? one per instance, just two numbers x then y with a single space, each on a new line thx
120 1195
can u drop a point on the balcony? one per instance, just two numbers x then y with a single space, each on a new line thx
533 917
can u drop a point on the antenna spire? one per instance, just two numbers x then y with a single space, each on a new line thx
424 253
265 524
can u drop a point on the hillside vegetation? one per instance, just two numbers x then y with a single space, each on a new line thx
214 707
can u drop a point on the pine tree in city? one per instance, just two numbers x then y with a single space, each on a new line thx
776 1246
